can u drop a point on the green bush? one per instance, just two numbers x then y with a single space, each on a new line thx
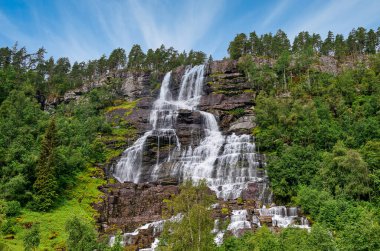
13 208
237 112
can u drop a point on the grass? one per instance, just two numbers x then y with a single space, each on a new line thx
118 138
123 105
77 202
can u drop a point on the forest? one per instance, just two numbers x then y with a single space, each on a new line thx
320 132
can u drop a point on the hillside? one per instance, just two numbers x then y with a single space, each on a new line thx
281 143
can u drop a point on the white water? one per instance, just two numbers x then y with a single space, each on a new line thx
238 221
157 226
285 217
227 163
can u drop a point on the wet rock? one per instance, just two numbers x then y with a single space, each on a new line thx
128 206
243 125
266 220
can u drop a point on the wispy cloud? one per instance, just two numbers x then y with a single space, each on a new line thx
12 31
181 28
279 9
86 29
339 16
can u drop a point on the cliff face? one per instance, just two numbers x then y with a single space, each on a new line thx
229 96
226 94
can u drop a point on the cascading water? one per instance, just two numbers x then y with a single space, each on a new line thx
227 163
238 221
284 217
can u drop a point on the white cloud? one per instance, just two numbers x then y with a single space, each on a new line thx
181 28
339 16
276 12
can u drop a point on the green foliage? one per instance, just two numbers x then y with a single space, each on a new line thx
193 231
12 208
359 41
9 226
81 235
32 238
237 112
319 239
264 240
345 173
238 46
46 185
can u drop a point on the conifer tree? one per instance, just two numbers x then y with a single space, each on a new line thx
136 58
328 45
371 42
46 185
238 47
254 44
340 47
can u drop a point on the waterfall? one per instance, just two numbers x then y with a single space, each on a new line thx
238 221
285 217
228 163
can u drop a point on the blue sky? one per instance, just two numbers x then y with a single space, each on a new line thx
86 29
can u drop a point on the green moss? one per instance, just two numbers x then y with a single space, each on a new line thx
248 91
225 210
217 74
123 105
77 202
237 112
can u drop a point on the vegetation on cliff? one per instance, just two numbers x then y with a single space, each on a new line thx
320 130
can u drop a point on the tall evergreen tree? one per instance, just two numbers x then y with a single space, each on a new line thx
238 47
267 43
301 41
361 39
117 59
280 44
328 45
371 42
136 58
340 47
46 185
254 45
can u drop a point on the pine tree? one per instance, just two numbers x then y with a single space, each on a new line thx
238 47
254 45
117 59
378 39
371 42
136 58
328 45
280 44
302 41
46 185
340 47
267 43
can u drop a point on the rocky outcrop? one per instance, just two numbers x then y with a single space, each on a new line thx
228 95
243 125
127 206
135 85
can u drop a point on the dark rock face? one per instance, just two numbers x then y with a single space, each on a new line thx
229 96
189 128
127 206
